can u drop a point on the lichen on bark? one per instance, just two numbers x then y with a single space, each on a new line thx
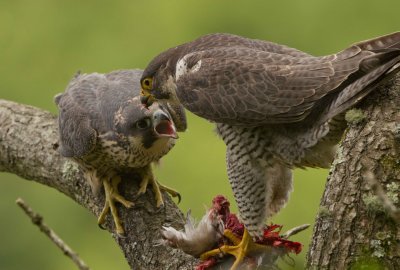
359 230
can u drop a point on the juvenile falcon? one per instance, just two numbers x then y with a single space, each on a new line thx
104 127
276 108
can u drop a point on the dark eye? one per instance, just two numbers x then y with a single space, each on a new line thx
143 124
147 83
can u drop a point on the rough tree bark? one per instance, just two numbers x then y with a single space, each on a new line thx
358 224
28 148
353 227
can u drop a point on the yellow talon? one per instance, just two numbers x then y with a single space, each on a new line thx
240 248
148 178
143 185
171 191
112 195
157 193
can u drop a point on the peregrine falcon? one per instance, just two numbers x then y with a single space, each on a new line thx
104 127
275 107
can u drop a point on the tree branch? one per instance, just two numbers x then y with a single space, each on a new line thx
38 221
28 148
354 227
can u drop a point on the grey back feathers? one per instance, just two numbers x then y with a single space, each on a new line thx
247 86
252 82
88 105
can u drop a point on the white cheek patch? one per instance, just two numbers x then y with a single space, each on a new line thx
181 67
196 67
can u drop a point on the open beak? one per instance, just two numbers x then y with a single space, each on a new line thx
163 125
146 98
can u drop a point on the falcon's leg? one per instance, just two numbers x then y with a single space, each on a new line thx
148 178
112 196
322 154
279 189
240 248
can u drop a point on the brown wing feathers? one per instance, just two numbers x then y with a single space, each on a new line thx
246 85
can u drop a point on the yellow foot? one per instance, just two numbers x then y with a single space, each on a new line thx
112 195
240 248
171 191
157 187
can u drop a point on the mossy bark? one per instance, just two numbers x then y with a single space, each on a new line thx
358 230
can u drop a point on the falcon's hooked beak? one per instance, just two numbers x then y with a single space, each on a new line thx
146 98
163 125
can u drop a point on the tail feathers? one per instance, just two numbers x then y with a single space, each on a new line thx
391 41
373 71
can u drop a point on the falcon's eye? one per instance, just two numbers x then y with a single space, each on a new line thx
143 124
147 83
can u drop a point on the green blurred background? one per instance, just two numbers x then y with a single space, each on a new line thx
44 42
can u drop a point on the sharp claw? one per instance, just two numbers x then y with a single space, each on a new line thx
171 191
101 226
179 197
148 178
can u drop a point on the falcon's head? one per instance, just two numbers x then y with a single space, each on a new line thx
158 80
152 128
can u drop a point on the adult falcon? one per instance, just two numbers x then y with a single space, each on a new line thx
276 108
104 127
